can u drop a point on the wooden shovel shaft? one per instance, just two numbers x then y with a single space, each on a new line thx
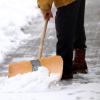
42 39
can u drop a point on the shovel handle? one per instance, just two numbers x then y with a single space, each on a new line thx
42 38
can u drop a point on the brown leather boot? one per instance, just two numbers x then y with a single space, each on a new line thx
79 62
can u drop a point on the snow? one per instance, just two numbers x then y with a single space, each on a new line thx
28 81
13 15
38 85
29 91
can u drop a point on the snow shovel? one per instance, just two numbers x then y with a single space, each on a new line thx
54 64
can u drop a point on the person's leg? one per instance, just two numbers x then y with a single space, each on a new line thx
80 37
65 21
79 63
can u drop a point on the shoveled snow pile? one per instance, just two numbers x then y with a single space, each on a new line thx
39 80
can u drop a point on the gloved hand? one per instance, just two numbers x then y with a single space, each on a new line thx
47 14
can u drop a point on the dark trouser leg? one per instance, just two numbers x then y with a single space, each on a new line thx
66 18
79 63
80 37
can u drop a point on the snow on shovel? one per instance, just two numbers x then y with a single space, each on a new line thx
54 64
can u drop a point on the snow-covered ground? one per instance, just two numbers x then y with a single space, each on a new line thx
20 28
13 16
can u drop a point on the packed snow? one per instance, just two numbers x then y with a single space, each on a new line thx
13 15
39 85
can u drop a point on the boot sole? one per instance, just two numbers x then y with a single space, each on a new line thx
85 71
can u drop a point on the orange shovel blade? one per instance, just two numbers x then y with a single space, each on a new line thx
54 64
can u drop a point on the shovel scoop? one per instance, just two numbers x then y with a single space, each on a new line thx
54 63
